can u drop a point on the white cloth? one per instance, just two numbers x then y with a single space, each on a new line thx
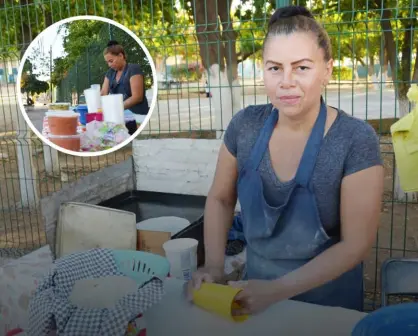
51 309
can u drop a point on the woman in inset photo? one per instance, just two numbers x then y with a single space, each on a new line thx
126 79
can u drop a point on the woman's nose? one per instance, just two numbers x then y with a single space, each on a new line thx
287 79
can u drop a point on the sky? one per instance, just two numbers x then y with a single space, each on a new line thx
51 37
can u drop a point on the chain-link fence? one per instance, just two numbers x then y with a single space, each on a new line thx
374 45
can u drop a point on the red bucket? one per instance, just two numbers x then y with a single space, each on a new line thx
94 116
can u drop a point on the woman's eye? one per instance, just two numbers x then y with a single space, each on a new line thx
274 68
303 68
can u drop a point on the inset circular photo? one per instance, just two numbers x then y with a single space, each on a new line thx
87 86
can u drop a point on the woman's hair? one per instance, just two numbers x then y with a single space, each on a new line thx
114 48
294 19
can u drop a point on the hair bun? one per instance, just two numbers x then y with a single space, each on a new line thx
112 43
289 11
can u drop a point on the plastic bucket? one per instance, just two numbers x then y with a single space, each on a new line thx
82 110
70 142
93 99
94 116
62 123
113 110
399 319
59 106
182 255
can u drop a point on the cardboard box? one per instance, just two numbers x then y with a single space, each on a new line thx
152 241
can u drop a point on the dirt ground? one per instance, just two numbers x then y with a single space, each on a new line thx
22 228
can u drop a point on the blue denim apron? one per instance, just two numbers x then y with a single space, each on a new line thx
114 83
283 238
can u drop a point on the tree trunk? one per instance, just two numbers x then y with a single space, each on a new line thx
214 53
400 89
390 45
206 20
385 68
355 70
229 37
415 74
372 72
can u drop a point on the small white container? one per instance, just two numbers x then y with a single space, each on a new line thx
182 255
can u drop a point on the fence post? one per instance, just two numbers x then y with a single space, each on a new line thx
282 3
27 177
51 160
50 73
76 82
110 32
88 65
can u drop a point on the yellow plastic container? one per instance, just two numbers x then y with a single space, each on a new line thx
218 299
405 144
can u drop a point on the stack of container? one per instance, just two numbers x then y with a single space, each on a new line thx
93 110
63 126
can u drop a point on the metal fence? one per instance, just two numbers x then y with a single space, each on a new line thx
369 39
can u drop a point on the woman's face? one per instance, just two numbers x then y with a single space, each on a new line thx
116 62
295 72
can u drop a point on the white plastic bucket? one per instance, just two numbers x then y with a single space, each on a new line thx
113 110
93 100
182 255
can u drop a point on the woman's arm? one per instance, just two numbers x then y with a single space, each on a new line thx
137 90
361 196
219 209
105 87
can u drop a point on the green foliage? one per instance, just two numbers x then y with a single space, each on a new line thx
29 82
84 62
183 73
61 66
342 73
167 29
80 34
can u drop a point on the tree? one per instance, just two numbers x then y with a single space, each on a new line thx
29 82
393 24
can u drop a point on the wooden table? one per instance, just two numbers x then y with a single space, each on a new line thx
175 316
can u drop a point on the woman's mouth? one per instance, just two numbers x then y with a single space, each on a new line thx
289 100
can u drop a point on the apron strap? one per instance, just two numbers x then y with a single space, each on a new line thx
310 153
121 79
263 139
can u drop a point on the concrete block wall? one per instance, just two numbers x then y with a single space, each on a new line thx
183 166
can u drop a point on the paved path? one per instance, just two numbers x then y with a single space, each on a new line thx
197 113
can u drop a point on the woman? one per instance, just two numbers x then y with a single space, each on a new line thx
127 79
309 179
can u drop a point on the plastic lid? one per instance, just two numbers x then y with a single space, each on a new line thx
81 107
68 114
75 136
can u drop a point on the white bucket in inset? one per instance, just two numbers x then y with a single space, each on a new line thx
113 110
95 87
93 100
182 255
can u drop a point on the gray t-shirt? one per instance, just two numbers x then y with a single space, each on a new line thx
349 146
124 87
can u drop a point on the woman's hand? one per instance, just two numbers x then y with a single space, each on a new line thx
204 274
255 297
